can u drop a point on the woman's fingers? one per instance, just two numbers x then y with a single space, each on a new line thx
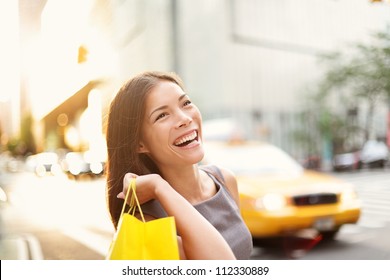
145 186
126 182
127 179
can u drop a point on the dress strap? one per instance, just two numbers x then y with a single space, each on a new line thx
215 171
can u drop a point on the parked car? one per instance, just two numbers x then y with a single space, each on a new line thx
77 164
44 163
278 196
347 161
374 154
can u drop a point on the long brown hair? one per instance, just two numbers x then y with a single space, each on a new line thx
123 135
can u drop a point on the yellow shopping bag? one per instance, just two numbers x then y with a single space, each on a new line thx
140 240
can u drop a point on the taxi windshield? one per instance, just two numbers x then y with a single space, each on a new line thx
253 159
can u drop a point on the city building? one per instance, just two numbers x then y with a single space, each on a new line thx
250 60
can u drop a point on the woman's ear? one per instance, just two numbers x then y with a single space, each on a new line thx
142 148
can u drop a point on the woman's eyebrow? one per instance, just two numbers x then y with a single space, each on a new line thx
166 106
182 96
157 109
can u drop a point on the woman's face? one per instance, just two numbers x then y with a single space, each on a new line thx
171 130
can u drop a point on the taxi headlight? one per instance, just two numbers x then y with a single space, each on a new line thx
348 196
271 202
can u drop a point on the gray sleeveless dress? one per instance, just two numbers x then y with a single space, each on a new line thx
221 211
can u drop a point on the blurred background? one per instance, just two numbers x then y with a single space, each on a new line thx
311 77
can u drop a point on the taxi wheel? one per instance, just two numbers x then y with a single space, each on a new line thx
329 235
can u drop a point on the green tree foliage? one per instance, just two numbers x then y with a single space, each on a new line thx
25 143
358 77
362 75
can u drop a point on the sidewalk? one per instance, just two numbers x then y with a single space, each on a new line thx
15 246
21 247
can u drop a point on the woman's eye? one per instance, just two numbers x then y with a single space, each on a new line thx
187 102
161 116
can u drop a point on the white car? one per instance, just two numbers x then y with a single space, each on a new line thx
374 153
77 164
44 163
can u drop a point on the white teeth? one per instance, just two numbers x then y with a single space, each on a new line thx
190 137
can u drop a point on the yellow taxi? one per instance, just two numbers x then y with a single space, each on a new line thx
278 196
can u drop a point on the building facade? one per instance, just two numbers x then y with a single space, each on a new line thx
248 59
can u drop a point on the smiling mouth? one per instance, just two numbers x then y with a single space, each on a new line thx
186 140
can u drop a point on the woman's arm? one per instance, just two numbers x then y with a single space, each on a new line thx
200 240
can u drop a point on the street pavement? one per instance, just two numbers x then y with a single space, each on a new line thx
54 218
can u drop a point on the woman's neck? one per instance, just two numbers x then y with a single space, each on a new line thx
192 184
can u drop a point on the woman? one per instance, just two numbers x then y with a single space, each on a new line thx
154 134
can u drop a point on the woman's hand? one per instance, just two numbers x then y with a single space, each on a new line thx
199 239
146 186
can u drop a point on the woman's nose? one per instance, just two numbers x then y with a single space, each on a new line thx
183 119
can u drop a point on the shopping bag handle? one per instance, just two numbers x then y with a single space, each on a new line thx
134 203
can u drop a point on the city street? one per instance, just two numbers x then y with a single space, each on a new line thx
53 217
264 89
